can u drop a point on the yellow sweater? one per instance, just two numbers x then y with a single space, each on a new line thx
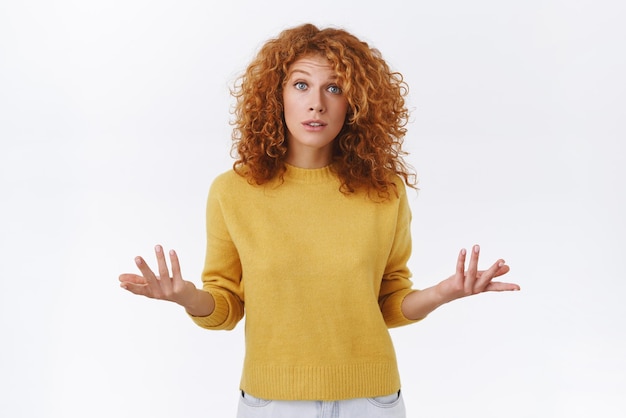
322 276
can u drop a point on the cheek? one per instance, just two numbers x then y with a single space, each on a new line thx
343 105
288 104
288 112
342 111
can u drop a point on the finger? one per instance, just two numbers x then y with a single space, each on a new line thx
176 275
502 270
460 264
164 272
132 278
499 272
472 270
501 287
146 271
137 289
486 276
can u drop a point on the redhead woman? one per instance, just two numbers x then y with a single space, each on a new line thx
309 234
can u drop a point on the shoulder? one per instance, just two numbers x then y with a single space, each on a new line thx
399 184
395 190
227 180
226 184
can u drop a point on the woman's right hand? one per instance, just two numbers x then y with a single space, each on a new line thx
161 286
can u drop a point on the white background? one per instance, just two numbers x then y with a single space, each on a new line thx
114 121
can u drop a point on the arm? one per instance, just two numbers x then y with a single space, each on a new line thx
419 304
195 301
396 281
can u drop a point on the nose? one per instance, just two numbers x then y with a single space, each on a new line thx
317 102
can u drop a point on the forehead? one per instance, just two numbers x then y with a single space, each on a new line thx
312 65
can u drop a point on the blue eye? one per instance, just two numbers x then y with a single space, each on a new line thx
334 89
300 85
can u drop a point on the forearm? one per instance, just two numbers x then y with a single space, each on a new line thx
417 305
197 302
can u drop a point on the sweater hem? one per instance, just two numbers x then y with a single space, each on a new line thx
322 383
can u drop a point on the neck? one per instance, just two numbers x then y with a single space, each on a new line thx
310 159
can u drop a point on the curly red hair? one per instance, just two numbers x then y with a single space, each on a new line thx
367 153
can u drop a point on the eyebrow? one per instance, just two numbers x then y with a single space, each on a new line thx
299 71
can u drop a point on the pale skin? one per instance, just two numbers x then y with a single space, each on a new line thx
466 281
315 109
168 287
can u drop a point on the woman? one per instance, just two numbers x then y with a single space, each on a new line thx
309 234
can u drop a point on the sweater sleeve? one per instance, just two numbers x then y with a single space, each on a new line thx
396 283
221 276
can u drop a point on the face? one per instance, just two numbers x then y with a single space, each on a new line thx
315 111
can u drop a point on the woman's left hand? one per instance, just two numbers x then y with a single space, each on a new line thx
471 281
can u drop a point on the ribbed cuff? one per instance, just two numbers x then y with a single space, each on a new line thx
392 309
217 317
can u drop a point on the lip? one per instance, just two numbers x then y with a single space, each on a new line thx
318 125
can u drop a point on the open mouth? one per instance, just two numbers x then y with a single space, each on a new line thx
314 123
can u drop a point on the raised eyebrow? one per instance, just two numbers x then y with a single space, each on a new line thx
293 73
296 70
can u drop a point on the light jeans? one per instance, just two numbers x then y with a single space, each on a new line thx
390 406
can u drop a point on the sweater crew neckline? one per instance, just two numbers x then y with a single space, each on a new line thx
309 175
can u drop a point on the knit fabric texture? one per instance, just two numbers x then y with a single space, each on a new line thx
320 276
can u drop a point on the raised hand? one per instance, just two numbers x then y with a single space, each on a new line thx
464 282
162 286
471 281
